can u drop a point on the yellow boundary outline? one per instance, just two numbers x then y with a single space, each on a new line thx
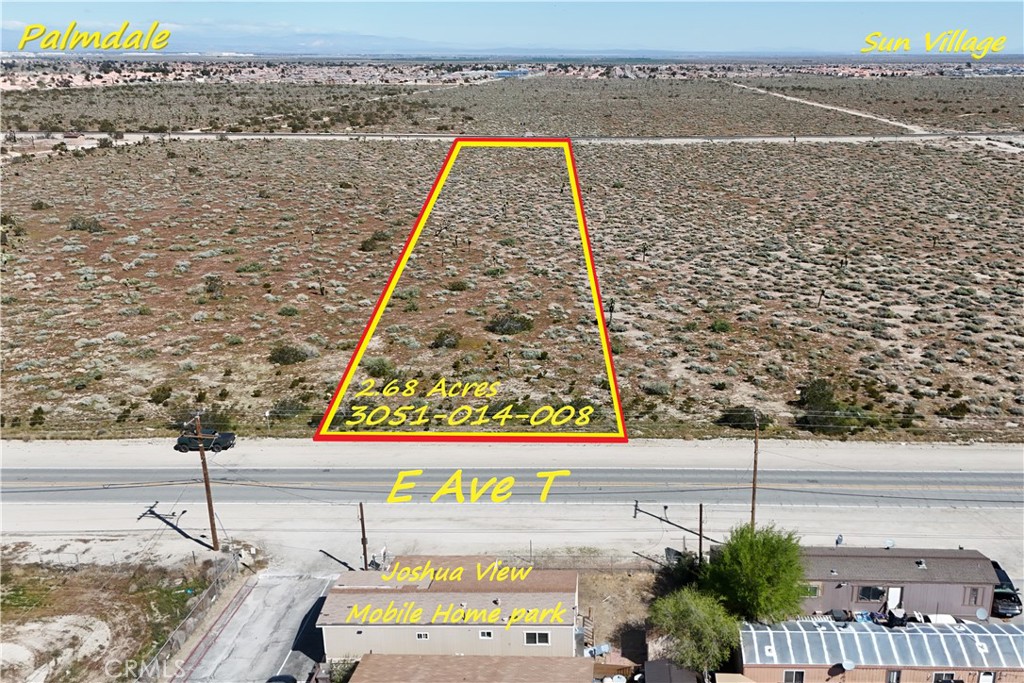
357 358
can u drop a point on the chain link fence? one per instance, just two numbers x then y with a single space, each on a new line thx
578 558
168 659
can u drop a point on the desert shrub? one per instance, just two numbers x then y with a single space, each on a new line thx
818 395
742 417
824 414
457 286
10 222
341 671
40 205
657 388
288 311
218 417
446 338
286 354
214 286
509 323
379 367
105 143
720 326
90 225
373 241
38 417
160 394
287 408
406 293
957 411
253 267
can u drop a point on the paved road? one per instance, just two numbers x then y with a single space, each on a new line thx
272 635
260 453
587 485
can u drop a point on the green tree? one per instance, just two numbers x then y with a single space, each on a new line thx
758 573
701 632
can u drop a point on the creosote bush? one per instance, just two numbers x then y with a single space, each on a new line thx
90 225
286 354
38 417
287 408
160 395
446 338
742 417
509 323
379 367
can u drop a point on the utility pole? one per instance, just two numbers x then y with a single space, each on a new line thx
206 481
753 487
666 520
362 525
700 536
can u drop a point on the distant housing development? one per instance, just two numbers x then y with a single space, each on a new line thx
432 612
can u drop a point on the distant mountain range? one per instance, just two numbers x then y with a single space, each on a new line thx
362 45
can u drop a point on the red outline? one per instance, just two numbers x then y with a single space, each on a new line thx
484 437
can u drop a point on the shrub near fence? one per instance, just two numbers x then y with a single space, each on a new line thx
165 663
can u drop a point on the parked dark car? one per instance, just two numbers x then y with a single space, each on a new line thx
1004 578
212 441
1006 603
1006 599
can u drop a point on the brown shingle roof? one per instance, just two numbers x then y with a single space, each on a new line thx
538 580
897 564
376 668
338 606
541 589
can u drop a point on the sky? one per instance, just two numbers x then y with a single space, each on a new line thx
836 28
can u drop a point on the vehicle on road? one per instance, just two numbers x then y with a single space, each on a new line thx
212 441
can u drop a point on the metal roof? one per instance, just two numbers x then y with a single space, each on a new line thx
934 646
